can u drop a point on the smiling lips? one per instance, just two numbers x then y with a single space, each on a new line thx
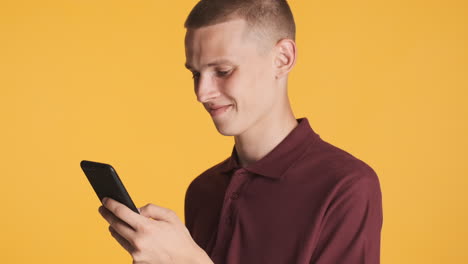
217 110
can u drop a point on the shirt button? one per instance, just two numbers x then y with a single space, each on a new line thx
234 195
229 220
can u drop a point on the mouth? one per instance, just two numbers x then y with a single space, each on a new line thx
219 110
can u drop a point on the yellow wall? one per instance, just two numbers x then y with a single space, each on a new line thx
104 80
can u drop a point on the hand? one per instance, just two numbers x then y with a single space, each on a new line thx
156 235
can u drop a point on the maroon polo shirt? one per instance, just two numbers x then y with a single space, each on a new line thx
306 201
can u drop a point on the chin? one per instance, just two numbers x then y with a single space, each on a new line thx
227 128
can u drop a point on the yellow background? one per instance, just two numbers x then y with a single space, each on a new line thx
105 81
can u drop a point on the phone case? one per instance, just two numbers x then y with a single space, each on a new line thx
106 182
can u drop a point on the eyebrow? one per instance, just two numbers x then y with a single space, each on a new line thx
213 63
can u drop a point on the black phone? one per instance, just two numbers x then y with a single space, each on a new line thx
106 183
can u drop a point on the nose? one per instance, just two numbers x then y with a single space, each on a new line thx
206 89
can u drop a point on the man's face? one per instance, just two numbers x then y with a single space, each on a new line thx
233 80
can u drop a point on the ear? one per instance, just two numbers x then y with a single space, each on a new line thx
285 57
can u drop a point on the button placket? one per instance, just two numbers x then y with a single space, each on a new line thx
233 192
235 195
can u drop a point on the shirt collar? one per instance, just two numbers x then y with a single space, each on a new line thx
278 161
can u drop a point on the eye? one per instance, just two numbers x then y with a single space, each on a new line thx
195 75
223 73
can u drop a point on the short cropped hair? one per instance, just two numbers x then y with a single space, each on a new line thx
272 19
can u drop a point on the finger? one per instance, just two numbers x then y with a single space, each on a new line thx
122 241
122 212
158 213
108 215
118 225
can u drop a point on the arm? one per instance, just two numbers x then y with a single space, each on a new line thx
155 236
352 224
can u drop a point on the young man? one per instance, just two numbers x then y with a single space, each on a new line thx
284 195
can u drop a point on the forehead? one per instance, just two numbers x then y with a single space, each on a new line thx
225 40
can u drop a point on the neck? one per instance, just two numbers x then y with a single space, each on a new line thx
264 136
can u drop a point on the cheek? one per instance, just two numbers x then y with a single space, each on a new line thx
234 86
250 88
263 85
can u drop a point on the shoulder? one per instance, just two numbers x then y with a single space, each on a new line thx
335 169
351 181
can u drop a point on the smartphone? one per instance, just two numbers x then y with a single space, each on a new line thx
106 182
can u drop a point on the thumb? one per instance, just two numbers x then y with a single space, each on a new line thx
158 213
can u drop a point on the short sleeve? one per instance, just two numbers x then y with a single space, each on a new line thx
352 224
